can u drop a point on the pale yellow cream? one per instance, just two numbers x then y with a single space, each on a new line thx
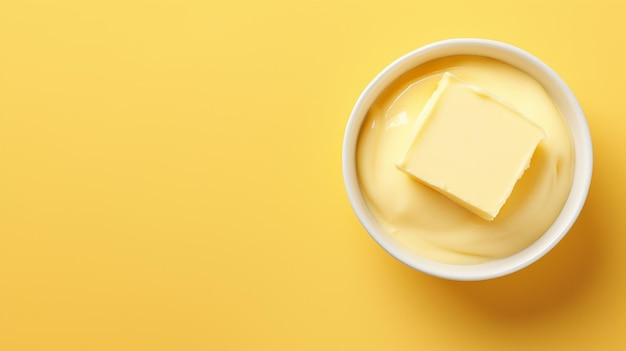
427 222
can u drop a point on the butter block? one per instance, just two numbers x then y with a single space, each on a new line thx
470 146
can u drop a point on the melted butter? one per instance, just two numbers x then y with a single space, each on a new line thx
425 221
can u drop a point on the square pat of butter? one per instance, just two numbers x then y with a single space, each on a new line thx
470 146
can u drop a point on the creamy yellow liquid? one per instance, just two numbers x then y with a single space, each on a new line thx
429 223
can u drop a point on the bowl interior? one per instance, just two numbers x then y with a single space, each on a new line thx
561 95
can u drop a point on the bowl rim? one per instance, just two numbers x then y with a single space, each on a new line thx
561 95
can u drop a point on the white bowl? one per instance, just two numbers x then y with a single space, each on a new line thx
561 95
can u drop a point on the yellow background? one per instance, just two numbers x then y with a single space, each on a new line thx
170 179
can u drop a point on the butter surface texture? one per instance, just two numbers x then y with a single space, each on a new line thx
424 221
470 146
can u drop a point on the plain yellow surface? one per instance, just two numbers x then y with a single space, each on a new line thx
170 179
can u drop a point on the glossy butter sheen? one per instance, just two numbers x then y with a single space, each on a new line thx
470 146
427 222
